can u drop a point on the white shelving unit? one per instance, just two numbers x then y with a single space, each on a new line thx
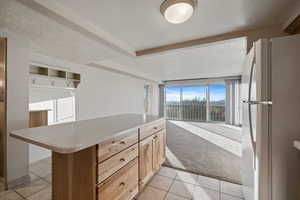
51 77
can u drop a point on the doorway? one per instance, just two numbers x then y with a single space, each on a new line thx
60 106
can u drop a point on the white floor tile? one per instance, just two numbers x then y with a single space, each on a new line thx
171 196
28 190
45 194
168 172
202 193
150 193
208 182
182 189
187 177
161 182
228 197
10 195
231 189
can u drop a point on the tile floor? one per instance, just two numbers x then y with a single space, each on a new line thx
168 184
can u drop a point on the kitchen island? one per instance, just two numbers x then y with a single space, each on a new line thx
105 158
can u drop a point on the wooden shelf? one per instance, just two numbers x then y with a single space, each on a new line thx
39 70
52 73
73 76
57 73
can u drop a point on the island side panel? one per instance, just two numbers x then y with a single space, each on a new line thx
74 175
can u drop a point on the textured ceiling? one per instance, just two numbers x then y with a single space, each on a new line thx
140 24
214 60
49 37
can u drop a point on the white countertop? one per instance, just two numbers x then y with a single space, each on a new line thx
297 144
75 136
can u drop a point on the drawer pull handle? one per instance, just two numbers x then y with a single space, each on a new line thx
122 160
122 184
122 142
155 128
155 137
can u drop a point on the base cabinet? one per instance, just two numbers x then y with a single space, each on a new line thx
114 170
158 150
123 185
146 161
152 156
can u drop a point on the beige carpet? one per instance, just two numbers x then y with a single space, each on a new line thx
204 148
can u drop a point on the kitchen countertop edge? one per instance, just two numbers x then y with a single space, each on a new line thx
68 150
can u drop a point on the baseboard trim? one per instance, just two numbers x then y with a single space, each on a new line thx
19 181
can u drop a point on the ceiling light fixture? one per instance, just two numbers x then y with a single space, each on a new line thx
178 11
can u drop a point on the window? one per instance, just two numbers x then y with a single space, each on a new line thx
173 100
173 95
195 103
217 95
146 99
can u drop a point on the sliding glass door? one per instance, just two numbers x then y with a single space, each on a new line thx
217 96
173 103
195 103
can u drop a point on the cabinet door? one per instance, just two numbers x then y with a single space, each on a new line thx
163 144
158 150
146 161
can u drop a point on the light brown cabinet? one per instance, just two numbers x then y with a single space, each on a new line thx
123 185
117 144
146 160
151 129
152 156
113 170
115 163
158 150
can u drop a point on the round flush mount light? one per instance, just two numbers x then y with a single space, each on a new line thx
178 11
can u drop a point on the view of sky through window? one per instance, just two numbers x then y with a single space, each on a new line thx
217 93
194 93
189 103
173 94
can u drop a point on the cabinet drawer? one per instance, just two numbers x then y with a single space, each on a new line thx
113 164
123 185
149 130
116 145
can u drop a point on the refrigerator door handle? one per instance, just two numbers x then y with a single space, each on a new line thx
251 129
249 108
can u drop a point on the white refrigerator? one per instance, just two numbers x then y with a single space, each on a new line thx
271 120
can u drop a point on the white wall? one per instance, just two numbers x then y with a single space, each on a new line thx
100 93
17 105
103 92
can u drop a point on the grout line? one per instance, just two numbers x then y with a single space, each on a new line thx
240 198
170 187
